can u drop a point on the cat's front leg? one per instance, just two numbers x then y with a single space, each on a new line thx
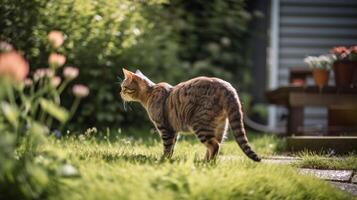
168 137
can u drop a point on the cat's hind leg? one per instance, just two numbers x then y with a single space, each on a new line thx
212 142
212 149
207 136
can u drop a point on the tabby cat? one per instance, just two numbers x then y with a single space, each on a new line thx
201 105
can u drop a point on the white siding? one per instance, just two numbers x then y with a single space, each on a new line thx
312 27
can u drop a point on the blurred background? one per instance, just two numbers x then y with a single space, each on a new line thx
252 44
170 41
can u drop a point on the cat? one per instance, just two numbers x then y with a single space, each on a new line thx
202 105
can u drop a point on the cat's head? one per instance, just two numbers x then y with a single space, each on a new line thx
135 86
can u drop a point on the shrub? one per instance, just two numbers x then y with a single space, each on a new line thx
168 40
28 108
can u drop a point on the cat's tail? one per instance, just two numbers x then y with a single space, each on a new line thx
235 117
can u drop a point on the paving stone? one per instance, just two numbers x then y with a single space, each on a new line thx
276 161
285 160
230 157
354 178
346 187
331 175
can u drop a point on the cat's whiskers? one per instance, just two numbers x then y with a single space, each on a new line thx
130 107
125 103
124 106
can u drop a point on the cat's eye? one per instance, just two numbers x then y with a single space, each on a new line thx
128 90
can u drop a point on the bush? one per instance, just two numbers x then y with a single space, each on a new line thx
169 41
28 107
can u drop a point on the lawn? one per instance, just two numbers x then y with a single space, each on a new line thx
123 167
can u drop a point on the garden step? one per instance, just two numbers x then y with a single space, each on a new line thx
331 175
354 179
339 144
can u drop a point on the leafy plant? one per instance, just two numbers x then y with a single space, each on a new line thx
28 108
353 53
343 53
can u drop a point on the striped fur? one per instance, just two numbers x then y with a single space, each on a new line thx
201 105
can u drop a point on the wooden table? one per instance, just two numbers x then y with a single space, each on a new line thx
295 98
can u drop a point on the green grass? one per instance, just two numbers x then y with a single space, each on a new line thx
322 161
127 168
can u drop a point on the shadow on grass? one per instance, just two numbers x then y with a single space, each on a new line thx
156 160
132 158
140 159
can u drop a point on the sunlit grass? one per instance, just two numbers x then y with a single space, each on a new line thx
323 161
127 168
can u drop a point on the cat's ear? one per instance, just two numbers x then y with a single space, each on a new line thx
138 72
140 75
127 73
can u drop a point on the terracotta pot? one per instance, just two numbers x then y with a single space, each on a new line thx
343 73
321 77
354 78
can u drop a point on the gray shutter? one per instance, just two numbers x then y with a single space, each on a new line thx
313 27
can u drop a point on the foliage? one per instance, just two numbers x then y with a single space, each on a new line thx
27 109
168 40
18 20
213 37
325 161
20 176
353 53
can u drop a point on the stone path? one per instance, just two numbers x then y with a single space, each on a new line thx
329 175
287 160
345 180
347 187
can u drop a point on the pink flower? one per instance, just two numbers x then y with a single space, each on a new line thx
5 47
55 81
70 72
56 59
80 90
43 72
28 82
339 50
13 65
56 38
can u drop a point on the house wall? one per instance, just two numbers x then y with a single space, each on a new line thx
309 27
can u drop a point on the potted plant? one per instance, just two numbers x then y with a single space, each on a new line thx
320 66
343 66
353 60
